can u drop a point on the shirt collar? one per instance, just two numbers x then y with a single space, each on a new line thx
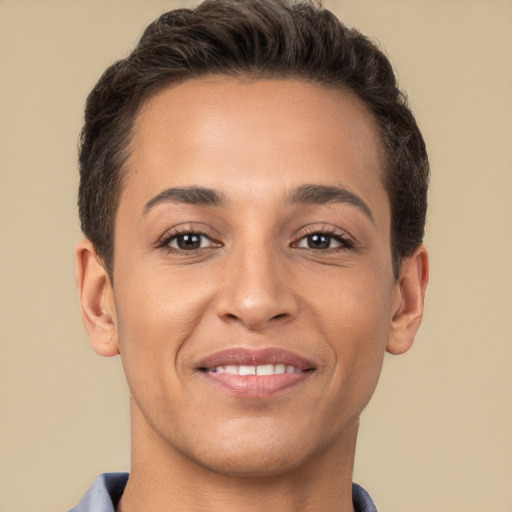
107 489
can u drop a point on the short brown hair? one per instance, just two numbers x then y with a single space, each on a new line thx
262 39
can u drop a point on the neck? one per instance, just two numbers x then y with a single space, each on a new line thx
163 479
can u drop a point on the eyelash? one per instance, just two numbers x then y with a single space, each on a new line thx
168 238
345 242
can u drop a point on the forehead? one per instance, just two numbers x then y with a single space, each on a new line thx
253 133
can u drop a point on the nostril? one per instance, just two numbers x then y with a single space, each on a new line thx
256 305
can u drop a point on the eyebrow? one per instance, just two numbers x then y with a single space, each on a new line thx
304 194
200 196
322 194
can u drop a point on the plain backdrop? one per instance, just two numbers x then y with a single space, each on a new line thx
437 436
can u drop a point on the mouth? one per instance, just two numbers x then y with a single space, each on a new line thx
261 369
255 373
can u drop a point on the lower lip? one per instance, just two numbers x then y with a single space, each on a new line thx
256 386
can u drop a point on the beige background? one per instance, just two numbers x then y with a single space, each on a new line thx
438 434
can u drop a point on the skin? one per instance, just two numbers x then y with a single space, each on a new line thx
257 281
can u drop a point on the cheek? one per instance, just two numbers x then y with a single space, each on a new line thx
159 305
355 320
354 306
155 318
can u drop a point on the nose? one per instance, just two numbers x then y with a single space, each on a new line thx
257 291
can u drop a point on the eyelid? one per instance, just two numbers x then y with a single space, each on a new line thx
187 228
303 242
175 238
346 240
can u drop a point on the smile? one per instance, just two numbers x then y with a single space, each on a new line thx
263 369
249 373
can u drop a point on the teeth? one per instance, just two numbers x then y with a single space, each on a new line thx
263 369
247 370
280 368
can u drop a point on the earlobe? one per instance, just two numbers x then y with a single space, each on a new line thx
96 299
410 297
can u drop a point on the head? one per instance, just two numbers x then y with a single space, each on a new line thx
264 39
253 191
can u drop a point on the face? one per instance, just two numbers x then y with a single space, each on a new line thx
253 294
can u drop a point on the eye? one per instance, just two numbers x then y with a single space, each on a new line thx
324 241
189 241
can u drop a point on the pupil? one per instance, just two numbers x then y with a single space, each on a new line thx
189 241
319 241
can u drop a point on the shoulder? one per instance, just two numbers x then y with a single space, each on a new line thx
362 500
104 493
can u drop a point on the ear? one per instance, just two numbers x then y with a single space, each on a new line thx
96 299
408 302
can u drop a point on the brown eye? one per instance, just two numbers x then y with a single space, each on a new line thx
190 241
319 241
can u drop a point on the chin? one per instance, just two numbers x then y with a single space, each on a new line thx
250 465
257 455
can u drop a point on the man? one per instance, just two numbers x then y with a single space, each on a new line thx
253 193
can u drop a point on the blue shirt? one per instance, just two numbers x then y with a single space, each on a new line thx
107 489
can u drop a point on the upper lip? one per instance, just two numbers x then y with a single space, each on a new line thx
254 357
